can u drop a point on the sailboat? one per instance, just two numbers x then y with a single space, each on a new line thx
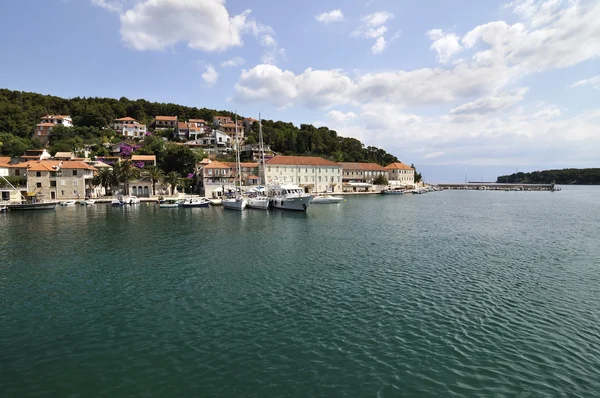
237 202
260 200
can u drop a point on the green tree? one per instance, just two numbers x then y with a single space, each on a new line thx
105 178
125 172
172 180
178 158
155 175
380 180
418 176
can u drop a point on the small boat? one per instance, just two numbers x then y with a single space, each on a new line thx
327 199
194 202
87 202
68 203
169 203
3 209
258 202
131 200
117 202
215 202
32 206
394 191
235 203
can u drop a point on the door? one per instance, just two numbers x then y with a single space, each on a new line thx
52 195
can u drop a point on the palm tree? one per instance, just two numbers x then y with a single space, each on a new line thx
105 178
154 174
173 179
124 172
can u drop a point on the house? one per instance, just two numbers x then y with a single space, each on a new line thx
197 128
35 154
311 173
252 151
147 160
129 127
59 180
64 156
183 131
247 123
58 119
400 174
215 175
360 176
4 166
214 143
230 129
221 119
43 131
165 122
248 169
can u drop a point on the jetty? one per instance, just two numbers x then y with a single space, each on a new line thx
496 186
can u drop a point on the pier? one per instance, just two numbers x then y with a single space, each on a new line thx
494 186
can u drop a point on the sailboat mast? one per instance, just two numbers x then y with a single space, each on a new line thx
262 152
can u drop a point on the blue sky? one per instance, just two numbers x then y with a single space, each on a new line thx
487 86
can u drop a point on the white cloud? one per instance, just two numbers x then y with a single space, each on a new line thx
445 44
593 81
232 62
109 5
373 27
341 116
490 104
211 75
331 16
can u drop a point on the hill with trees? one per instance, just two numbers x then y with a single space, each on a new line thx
20 112
563 177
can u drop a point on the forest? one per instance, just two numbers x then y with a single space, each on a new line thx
20 112
563 177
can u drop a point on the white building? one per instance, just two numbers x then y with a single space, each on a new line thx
400 174
129 127
58 119
312 173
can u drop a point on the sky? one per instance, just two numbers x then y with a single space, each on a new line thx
470 86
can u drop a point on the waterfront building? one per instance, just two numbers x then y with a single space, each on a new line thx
216 175
248 170
59 180
310 173
358 177
165 122
400 174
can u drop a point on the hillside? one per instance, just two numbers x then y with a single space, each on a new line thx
20 112
564 176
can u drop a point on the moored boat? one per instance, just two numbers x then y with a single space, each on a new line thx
169 203
194 202
393 191
87 202
237 203
289 197
32 206
67 203
327 199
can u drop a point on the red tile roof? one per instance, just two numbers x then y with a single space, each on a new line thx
5 159
242 164
44 165
197 121
361 166
217 165
143 157
72 164
166 118
125 119
182 126
46 125
55 117
300 161
253 177
398 166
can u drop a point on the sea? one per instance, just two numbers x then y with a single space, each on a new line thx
447 294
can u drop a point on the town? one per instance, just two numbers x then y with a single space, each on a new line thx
41 176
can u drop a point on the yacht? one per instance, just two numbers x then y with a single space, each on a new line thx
393 191
289 197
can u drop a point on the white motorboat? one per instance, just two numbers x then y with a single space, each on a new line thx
131 200
394 191
194 202
327 199
216 202
117 202
289 197
237 203
68 203
258 202
87 202
169 203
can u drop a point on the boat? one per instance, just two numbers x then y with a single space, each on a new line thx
215 202
259 198
327 199
169 203
236 201
393 191
194 202
87 202
131 200
117 202
3 209
32 206
289 197
68 203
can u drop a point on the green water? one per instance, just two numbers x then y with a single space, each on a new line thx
443 294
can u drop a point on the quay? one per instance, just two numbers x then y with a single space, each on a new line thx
494 186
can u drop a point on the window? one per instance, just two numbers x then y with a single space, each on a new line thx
38 173
38 184
74 172
63 182
75 183
209 172
17 172
53 174
62 193
75 192
52 184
